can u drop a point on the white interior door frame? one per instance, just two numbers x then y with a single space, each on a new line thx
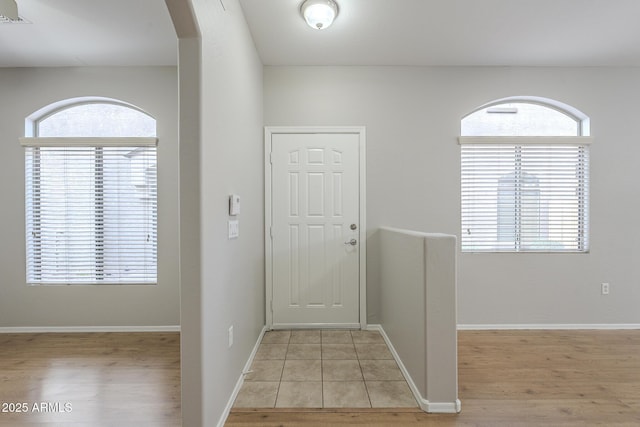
362 229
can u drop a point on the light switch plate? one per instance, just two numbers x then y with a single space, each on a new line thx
234 229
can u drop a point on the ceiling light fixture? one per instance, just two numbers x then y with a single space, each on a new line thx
319 14
9 9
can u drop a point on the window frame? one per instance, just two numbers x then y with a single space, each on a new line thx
583 199
581 139
99 144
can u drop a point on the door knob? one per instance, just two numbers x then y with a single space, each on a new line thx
351 242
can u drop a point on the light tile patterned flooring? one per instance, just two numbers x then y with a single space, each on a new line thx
324 369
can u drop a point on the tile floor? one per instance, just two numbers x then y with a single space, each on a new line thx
324 369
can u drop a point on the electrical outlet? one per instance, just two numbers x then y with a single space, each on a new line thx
230 336
605 289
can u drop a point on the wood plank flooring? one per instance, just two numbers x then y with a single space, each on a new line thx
90 379
513 378
506 378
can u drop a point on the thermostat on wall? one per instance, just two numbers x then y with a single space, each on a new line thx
234 205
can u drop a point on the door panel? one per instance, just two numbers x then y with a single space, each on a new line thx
315 201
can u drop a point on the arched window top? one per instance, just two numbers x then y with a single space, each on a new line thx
525 116
91 117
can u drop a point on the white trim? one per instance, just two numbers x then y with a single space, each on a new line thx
548 326
236 389
287 326
362 232
65 141
444 407
524 140
268 243
422 402
314 129
86 329
425 405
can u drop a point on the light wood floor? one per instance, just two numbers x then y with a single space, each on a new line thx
513 378
507 378
96 379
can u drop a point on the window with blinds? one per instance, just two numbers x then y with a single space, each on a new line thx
524 193
91 201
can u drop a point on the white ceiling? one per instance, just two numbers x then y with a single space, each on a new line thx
89 33
451 32
367 32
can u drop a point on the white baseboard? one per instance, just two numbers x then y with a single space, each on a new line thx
293 326
444 407
72 329
548 326
425 405
236 389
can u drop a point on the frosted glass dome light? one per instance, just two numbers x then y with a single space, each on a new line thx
319 14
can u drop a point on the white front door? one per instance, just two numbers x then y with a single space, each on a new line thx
315 229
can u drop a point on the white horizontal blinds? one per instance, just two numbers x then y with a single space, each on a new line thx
91 210
525 198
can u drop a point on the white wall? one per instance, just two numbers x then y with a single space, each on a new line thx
26 90
227 157
413 117
417 274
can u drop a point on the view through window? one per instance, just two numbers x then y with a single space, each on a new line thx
524 180
91 196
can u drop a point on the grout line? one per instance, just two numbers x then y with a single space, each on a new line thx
364 381
358 358
321 370
275 402
366 388
322 375
282 372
